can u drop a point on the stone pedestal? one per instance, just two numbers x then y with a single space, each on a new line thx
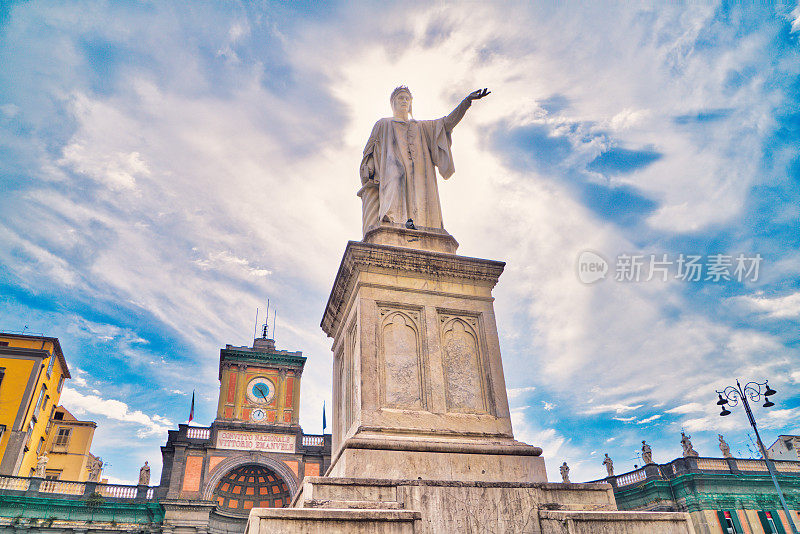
346 505
418 382
420 408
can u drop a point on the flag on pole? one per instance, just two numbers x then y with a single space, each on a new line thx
191 410
324 424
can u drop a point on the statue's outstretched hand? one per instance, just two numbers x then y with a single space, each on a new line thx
477 95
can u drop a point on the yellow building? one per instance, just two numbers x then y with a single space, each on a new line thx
68 442
32 373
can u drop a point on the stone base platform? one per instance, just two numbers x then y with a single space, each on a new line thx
345 505
459 460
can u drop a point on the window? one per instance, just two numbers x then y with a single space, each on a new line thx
729 522
59 416
60 384
40 446
44 404
28 433
50 365
52 474
771 522
2 374
39 400
62 437
3 343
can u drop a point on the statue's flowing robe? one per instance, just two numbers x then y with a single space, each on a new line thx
402 156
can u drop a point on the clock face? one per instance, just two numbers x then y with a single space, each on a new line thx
258 415
261 390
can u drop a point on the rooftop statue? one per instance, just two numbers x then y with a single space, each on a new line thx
398 174
647 453
688 449
609 463
564 469
724 447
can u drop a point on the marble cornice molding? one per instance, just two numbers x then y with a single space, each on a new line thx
360 256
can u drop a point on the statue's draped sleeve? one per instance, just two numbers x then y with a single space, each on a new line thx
440 141
370 163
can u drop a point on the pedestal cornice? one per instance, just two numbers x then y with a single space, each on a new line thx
360 256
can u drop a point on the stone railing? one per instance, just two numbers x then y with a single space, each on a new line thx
787 467
713 464
62 487
14 483
631 478
681 466
116 491
751 465
313 441
198 432
33 487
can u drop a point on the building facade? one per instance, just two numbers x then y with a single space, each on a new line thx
722 495
254 454
68 445
32 374
785 448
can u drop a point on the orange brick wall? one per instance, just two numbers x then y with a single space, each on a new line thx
293 466
232 387
312 470
214 461
191 476
289 386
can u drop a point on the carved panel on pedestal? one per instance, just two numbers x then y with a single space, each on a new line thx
338 395
400 356
352 357
462 364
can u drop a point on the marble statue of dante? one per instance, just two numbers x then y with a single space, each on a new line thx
400 161
724 447
564 469
144 475
609 465
688 449
647 453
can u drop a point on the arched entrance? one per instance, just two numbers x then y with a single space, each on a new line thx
248 486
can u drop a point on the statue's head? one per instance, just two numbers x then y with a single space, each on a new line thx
401 99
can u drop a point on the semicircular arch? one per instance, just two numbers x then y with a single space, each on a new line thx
233 462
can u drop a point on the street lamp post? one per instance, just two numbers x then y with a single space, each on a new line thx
732 396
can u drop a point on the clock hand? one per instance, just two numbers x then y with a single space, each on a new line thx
259 389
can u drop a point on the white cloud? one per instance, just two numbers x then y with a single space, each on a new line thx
514 393
224 260
778 307
687 408
649 419
9 110
80 404
615 408
795 18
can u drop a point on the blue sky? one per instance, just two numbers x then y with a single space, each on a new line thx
165 167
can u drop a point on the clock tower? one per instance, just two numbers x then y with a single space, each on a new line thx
253 455
259 385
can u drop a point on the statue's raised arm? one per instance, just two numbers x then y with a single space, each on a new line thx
398 169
